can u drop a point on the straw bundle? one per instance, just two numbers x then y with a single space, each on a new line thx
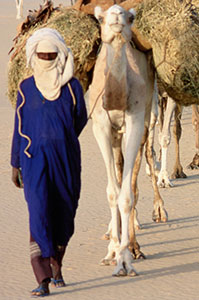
81 33
169 27
172 28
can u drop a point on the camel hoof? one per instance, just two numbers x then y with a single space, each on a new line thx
138 227
120 273
195 163
105 262
164 215
113 262
165 183
106 237
164 220
132 273
178 174
155 217
138 254
192 167
160 216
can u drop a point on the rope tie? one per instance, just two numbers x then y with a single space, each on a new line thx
118 128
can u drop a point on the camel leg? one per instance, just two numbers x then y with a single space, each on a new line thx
107 234
102 137
135 224
133 221
119 161
162 104
134 133
195 123
117 154
164 141
151 130
134 246
135 189
177 130
159 212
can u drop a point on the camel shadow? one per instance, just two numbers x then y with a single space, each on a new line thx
173 242
190 179
178 252
108 281
169 223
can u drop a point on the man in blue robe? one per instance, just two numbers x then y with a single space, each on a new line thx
50 115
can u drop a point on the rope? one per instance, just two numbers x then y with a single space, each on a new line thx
19 125
116 127
72 94
107 74
92 110
19 118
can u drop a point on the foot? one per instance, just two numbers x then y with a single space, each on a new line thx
160 215
57 282
57 278
41 291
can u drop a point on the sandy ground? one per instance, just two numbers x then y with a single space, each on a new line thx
171 270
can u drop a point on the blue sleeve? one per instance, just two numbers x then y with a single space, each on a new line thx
80 112
15 150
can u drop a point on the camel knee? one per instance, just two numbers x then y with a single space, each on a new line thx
125 204
112 195
112 200
164 140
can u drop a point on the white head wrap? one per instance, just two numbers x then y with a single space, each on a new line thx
50 75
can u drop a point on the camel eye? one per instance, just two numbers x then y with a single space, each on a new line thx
131 18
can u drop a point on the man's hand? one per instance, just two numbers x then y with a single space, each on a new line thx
17 178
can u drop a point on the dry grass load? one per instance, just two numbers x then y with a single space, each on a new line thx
82 35
169 27
172 28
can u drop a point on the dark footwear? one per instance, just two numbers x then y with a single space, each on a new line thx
58 282
41 291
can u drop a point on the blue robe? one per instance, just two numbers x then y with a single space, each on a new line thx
51 176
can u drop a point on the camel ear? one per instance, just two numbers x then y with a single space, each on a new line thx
132 14
98 13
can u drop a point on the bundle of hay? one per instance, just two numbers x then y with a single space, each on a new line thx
169 27
172 28
81 33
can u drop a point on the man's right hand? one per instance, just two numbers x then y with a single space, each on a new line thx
15 177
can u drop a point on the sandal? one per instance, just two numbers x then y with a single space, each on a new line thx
41 291
57 282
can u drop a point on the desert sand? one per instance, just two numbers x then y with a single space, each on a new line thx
171 270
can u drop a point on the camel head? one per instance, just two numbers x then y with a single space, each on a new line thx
115 21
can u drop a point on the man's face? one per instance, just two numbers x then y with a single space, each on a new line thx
46 55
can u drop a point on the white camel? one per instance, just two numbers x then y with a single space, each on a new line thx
120 99
195 123
165 139
172 108
19 7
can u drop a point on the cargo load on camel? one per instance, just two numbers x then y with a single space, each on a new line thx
168 28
